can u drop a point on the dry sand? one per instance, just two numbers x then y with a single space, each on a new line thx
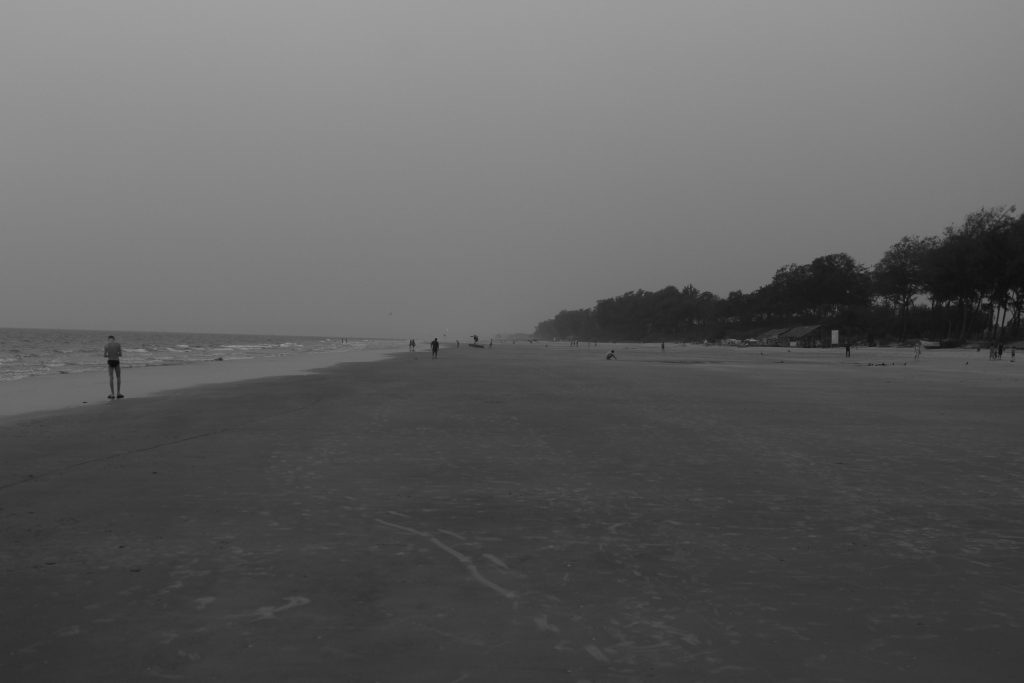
528 513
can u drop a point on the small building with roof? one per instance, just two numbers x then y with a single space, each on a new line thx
772 337
803 335
806 335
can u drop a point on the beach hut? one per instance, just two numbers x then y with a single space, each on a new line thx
772 337
806 335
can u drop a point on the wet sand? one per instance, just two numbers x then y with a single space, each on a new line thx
528 513
55 392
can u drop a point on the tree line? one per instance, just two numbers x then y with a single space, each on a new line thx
967 283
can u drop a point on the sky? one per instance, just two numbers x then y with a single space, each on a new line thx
429 167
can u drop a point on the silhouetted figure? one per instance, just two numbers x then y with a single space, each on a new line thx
611 355
434 346
847 349
112 352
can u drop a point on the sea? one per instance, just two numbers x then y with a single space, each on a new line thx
33 352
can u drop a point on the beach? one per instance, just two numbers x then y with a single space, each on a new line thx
530 512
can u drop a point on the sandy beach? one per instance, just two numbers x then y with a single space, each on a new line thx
527 513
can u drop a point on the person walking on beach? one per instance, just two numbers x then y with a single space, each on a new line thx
434 346
112 352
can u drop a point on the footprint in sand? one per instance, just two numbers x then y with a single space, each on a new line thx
203 603
271 612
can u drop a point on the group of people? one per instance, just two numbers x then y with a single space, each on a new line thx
434 346
995 352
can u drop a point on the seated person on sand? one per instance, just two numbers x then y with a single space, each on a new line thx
611 355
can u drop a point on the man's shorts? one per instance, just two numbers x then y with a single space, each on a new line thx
113 363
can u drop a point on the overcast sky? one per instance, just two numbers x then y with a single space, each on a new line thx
410 168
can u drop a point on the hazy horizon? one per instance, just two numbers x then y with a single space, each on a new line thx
406 169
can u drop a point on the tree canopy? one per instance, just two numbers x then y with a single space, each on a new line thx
967 282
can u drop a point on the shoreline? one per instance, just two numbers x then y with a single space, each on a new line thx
48 393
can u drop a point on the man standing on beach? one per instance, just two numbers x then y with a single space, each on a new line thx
112 352
434 345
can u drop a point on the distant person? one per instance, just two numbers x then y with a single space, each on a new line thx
662 346
412 345
112 352
917 350
456 343
1013 354
434 346
847 349
611 355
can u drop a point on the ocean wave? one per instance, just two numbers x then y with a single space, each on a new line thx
11 376
248 347
28 353
156 362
